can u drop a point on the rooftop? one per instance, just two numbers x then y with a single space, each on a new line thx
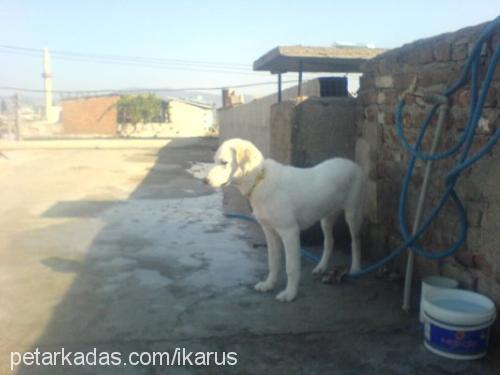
284 59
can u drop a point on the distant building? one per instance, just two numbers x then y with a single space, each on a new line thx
190 114
90 116
230 98
98 115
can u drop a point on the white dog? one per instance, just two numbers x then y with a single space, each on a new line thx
286 199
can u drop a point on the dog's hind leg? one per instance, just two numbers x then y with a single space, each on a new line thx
274 250
354 218
327 227
291 241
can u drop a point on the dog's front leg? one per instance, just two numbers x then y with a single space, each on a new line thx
274 250
291 241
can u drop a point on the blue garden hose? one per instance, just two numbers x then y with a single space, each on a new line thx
461 147
477 99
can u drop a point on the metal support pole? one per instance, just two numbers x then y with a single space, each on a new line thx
443 108
279 87
299 88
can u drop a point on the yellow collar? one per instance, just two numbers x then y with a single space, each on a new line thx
258 179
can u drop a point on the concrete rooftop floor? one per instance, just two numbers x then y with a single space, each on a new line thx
118 247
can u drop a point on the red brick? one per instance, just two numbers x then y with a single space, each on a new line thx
97 115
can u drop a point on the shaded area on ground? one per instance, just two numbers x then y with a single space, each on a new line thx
128 251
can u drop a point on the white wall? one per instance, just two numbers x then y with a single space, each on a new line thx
190 116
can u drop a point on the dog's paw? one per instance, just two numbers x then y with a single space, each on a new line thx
355 268
286 296
320 269
264 286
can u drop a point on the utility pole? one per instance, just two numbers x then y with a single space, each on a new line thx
47 79
17 122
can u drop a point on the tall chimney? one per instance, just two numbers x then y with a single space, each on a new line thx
47 77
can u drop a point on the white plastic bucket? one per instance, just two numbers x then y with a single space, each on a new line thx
433 283
457 323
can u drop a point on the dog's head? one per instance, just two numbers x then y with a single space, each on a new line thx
234 159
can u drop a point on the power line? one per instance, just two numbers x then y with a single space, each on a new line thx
157 63
170 64
20 89
122 57
154 66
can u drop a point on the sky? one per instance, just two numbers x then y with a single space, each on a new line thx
198 34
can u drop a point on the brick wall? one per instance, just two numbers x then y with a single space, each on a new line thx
436 62
90 116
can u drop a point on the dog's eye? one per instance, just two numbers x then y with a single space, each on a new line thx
223 162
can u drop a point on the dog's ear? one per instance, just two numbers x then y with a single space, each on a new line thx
247 158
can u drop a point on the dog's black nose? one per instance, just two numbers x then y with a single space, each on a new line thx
205 181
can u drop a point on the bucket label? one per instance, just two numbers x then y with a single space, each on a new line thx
458 342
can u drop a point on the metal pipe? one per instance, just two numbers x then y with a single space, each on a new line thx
279 87
443 108
299 89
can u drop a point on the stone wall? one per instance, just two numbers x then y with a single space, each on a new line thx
305 133
437 62
251 121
